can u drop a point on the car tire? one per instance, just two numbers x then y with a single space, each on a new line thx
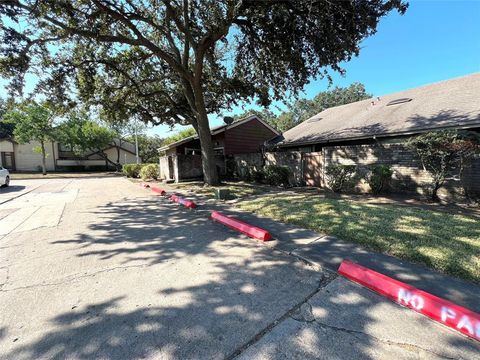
7 181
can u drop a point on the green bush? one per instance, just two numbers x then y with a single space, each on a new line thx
258 175
276 175
341 177
150 172
379 177
132 170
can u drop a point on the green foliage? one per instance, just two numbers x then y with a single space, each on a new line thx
445 154
6 129
148 147
33 122
277 175
174 62
132 170
183 134
379 177
304 109
257 175
341 177
84 135
150 172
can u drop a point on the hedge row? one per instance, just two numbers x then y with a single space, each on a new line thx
144 171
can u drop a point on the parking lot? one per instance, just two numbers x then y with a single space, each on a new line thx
101 268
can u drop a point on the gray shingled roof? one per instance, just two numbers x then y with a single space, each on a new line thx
450 103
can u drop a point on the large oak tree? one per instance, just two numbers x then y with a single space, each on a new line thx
176 61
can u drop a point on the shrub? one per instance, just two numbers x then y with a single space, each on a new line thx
341 177
132 170
258 175
150 171
276 175
445 154
379 177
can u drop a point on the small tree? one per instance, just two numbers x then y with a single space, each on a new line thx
148 147
83 135
445 154
379 177
33 122
341 177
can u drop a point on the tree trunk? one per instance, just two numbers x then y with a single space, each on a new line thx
208 156
437 185
117 165
44 158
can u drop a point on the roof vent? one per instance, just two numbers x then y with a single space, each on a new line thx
314 120
228 120
399 101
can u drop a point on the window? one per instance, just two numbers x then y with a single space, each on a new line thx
218 150
399 101
189 151
314 120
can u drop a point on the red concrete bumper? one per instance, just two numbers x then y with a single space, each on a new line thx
438 309
245 228
187 203
158 190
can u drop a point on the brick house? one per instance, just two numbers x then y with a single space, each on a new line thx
182 159
375 130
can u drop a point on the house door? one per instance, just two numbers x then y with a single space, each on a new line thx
312 169
8 161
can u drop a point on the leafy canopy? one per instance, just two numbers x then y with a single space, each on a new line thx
176 61
303 109
183 134
6 129
169 60
32 122
83 135
148 147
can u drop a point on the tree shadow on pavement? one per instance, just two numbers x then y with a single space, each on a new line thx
221 292
144 231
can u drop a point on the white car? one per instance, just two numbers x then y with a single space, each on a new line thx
4 176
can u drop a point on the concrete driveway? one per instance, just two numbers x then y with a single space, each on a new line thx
101 268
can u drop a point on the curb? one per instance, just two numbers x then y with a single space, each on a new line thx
247 229
445 312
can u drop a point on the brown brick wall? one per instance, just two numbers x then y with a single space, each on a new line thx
409 175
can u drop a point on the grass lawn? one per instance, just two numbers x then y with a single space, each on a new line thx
239 190
446 242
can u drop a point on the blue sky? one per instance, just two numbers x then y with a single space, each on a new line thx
435 40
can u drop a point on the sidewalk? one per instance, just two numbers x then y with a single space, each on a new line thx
328 252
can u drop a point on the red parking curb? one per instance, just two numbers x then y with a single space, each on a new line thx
438 309
245 228
187 203
158 190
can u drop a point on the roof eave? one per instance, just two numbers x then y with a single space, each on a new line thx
382 135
